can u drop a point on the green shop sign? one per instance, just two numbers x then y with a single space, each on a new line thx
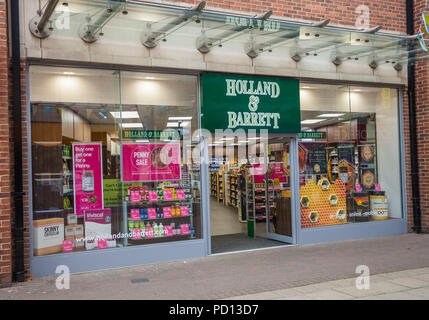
312 135
151 134
250 102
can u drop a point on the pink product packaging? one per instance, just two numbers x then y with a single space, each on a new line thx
67 245
135 214
135 196
102 244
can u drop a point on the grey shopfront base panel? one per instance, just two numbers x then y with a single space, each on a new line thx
352 231
118 257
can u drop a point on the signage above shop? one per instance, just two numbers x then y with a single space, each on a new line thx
311 135
151 134
249 102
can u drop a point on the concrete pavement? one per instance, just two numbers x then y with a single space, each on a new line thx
265 272
403 285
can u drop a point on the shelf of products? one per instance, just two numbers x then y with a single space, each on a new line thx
146 209
67 177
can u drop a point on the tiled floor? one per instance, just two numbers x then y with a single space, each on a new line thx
224 220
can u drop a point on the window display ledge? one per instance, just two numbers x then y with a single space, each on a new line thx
360 230
84 261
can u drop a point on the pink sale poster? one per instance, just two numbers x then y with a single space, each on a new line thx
276 171
88 177
151 162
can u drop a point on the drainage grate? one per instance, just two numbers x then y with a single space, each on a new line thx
140 280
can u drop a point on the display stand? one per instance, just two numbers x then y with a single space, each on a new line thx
157 208
250 205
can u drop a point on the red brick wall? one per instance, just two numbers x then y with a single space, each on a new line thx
388 13
422 111
5 212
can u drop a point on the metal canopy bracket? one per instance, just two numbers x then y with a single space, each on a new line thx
39 22
151 38
90 32
205 44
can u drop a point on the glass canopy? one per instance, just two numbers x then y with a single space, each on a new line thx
195 28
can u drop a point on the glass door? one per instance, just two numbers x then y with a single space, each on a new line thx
280 185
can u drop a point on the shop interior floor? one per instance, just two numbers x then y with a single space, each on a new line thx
239 242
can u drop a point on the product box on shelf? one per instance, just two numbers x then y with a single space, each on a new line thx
72 239
71 219
78 231
69 231
48 236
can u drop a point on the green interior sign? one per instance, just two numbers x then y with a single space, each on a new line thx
250 102
169 134
312 135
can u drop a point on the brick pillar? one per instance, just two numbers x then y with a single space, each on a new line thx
422 112
5 192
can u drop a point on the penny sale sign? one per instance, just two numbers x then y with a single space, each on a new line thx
151 162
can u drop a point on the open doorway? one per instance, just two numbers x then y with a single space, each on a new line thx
250 206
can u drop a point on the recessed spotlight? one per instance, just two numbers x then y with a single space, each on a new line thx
330 115
132 125
179 118
312 121
125 115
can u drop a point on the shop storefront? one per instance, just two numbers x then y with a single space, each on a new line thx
121 153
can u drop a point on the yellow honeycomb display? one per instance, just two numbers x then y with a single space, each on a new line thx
320 208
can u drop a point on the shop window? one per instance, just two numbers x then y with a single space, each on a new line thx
111 159
349 155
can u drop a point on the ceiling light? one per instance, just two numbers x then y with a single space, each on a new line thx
150 78
179 118
330 115
185 124
172 124
357 90
102 114
312 121
69 73
224 139
125 115
244 141
305 87
132 125
142 141
253 138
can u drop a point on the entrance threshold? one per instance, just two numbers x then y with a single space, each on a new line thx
240 242
282 245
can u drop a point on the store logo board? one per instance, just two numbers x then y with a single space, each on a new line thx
169 134
88 177
312 135
151 162
250 102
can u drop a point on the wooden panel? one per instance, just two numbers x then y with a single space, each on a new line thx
45 131
67 120
284 217
86 132
78 127
102 137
